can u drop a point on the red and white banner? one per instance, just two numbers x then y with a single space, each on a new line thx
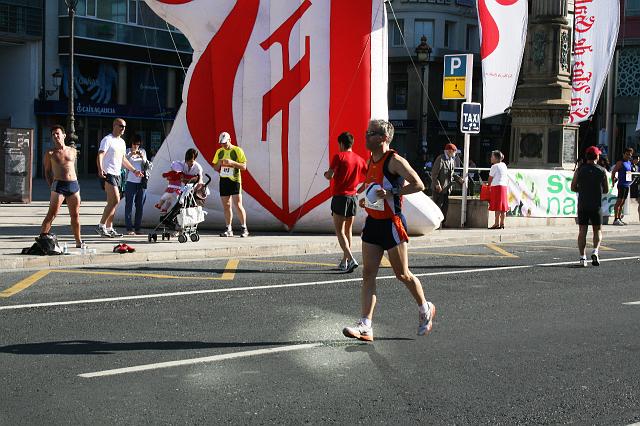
595 32
503 33
284 79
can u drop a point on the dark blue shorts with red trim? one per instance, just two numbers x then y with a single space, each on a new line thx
386 233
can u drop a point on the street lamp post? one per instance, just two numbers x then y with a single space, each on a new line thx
423 51
71 135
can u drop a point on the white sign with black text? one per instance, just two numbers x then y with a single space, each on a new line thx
470 117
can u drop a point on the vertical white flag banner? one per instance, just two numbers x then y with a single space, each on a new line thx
284 79
503 33
594 43
638 125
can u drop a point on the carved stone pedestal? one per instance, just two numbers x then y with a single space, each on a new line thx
539 139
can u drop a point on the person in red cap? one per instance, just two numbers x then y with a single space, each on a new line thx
442 178
590 182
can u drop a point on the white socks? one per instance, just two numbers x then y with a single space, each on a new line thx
366 321
423 309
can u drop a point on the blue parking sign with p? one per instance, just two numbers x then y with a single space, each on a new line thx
455 66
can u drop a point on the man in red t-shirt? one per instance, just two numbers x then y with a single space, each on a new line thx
348 170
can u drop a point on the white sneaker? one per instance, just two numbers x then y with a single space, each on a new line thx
360 332
623 222
245 232
583 262
102 231
595 260
351 265
425 324
113 233
227 233
618 222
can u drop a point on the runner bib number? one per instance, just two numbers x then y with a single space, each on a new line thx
226 172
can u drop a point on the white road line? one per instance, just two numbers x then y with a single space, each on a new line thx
304 284
201 360
632 303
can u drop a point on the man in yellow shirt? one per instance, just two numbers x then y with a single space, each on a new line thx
230 161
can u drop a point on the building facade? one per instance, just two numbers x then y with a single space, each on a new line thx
128 63
451 27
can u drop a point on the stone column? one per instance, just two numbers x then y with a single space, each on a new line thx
540 137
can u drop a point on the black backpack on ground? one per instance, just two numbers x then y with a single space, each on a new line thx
45 245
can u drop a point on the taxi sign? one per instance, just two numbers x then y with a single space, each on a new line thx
457 69
470 117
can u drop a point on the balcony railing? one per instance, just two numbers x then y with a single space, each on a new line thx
125 33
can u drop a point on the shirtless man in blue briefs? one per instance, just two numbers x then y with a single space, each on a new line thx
60 172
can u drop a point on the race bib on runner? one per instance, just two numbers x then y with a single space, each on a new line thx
226 172
628 177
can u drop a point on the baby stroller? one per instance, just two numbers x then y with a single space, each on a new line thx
185 215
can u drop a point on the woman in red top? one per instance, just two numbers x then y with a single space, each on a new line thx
389 177
347 170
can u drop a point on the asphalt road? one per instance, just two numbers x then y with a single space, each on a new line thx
521 336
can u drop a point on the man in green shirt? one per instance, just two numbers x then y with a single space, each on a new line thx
230 161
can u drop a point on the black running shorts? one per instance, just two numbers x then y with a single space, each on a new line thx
111 180
589 217
623 192
344 205
229 187
386 233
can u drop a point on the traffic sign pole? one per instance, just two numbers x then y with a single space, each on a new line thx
467 143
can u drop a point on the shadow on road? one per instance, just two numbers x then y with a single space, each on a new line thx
92 347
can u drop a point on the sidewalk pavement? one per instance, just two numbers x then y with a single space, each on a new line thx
20 224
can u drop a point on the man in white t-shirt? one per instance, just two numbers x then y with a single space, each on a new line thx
111 158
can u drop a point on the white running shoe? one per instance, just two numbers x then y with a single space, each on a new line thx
351 265
245 232
360 332
102 231
583 262
342 266
618 222
595 260
425 324
227 233
113 233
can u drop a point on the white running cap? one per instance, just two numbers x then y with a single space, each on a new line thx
224 137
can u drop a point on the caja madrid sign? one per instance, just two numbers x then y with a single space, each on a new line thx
284 79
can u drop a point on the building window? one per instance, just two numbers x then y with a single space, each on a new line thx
449 34
133 11
473 39
632 8
91 7
112 10
395 33
423 28
628 72
398 94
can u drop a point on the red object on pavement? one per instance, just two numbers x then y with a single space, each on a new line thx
485 193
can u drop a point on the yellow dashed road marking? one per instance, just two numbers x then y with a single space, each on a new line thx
230 270
500 250
25 283
384 263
